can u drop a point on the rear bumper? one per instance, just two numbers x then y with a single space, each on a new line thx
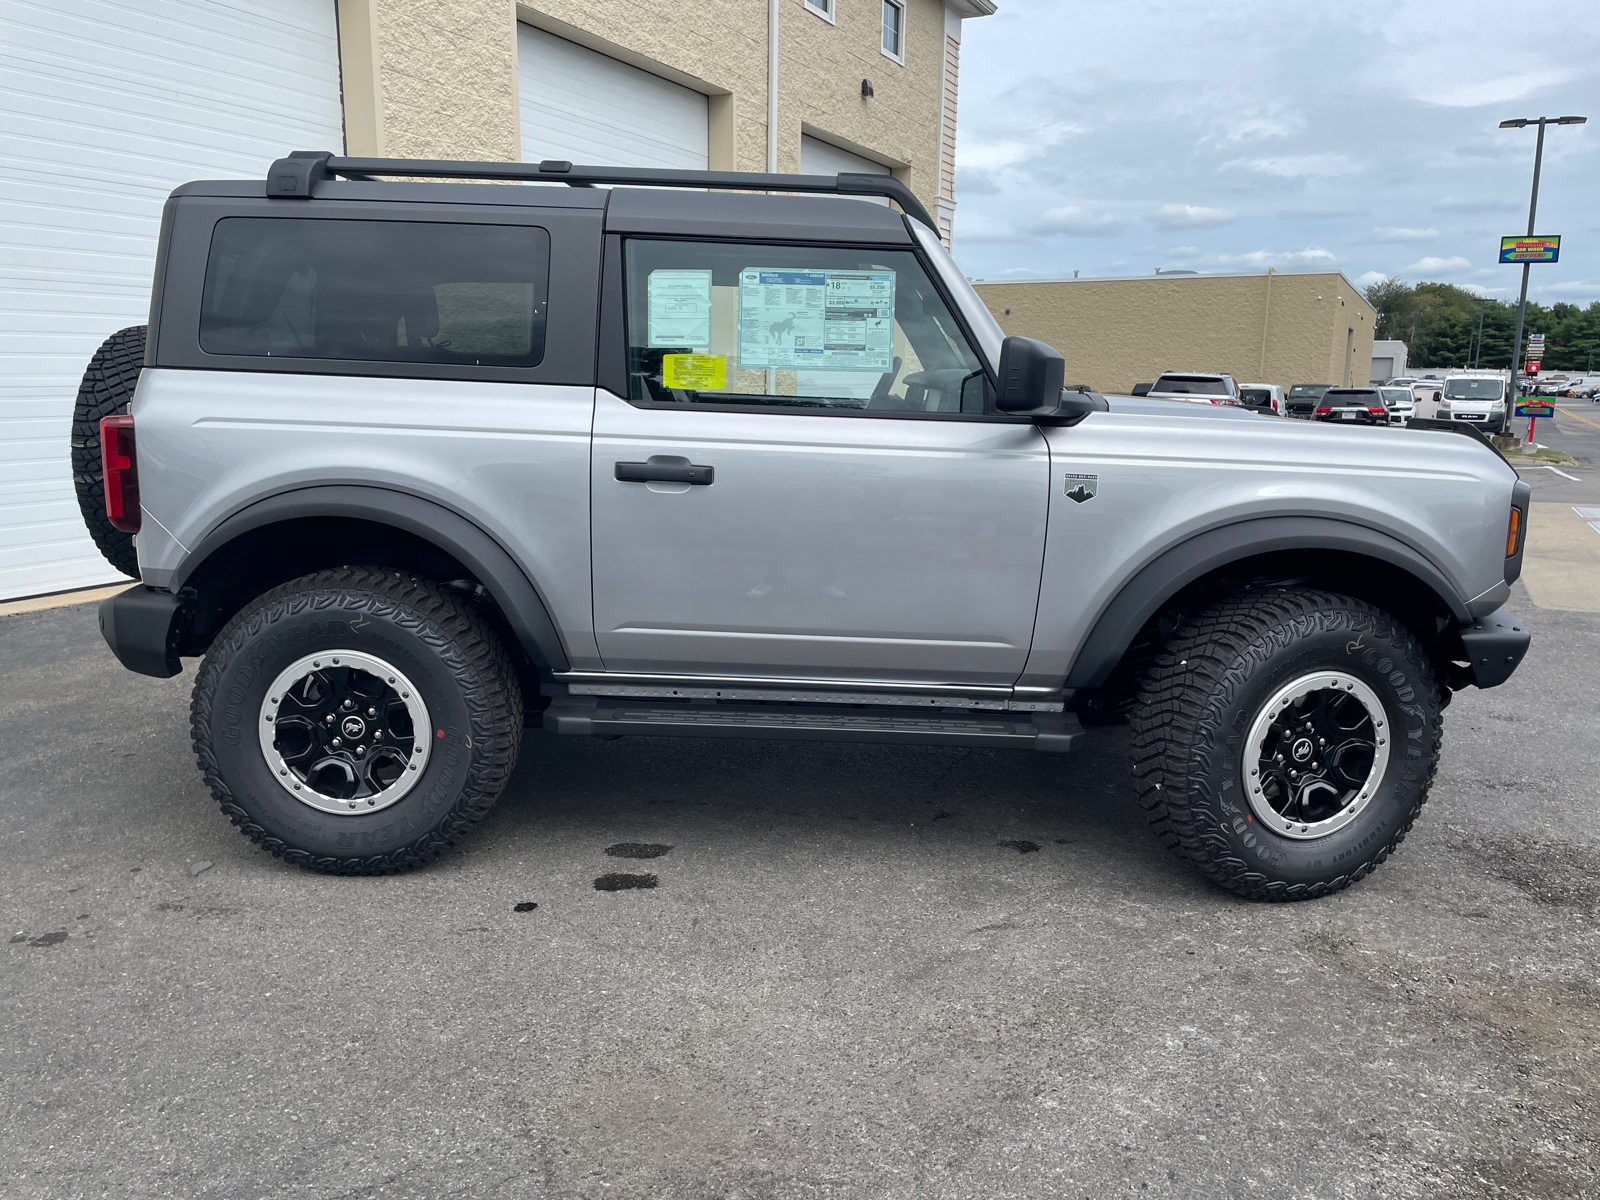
143 627
1495 645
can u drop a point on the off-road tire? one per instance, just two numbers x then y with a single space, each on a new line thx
107 387
1195 710
442 644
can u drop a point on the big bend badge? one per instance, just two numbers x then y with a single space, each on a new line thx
1082 487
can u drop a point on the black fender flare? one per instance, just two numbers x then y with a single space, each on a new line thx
1142 596
509 585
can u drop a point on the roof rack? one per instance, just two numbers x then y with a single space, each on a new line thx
294 177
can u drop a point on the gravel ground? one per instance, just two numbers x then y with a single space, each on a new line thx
866 972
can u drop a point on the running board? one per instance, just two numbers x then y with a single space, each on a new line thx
586 716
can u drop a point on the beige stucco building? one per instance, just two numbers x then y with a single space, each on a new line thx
859 84
1283 328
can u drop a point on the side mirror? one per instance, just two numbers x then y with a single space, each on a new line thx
1031 375
1142 389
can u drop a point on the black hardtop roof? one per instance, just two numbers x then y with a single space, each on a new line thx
664 207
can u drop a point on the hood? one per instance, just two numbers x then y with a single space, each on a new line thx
1180 408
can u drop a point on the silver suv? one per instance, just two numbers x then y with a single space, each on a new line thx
417 465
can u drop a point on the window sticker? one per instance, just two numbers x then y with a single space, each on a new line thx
679 305
695 372
816 320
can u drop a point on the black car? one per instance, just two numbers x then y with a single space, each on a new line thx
1358 405
1304 397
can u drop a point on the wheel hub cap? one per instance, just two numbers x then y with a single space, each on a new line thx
344 732
1315 754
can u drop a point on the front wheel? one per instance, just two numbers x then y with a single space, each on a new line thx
357 721
1285 741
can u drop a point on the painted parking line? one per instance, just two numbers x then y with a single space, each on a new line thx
1561 473
1567 412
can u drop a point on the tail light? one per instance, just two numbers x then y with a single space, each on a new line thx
1320 411
121 466
1377 412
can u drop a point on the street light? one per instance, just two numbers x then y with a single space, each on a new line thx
1533 206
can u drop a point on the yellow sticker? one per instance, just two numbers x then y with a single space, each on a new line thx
696 372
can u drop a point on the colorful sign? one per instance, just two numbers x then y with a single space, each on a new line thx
1530 249
1535 408
1531 367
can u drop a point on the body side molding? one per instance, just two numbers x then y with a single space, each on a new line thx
517 596
1142 596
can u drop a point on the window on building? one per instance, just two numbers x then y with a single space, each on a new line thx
386 291
823 8
894 29
793 327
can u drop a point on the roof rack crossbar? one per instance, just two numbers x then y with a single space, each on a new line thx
295 176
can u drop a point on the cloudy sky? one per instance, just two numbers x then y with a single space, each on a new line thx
1115 137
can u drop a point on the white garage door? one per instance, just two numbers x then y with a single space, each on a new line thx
109 106
818 157
584 107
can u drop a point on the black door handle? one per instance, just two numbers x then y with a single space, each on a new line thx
664 468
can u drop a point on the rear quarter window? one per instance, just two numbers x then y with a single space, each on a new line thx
381 291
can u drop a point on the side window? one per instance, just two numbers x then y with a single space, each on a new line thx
384 291
793 327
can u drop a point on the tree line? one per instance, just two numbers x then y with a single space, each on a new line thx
1437 322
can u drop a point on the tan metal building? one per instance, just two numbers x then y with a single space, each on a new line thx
1260 327
814 86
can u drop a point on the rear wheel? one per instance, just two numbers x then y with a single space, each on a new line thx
1285 741
107 387
357 721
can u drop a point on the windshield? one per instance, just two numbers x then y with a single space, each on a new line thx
1393 396
1360 396
1255 395
1308 391
1190 385
1473 389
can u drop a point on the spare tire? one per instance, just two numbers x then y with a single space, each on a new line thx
106 389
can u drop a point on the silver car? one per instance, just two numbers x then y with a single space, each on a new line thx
415 468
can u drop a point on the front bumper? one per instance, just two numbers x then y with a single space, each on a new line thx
144 627
1495 646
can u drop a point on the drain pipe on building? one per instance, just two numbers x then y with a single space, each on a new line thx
772 87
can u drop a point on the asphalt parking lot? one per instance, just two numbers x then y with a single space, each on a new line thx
855 978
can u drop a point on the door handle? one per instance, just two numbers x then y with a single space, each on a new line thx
664 468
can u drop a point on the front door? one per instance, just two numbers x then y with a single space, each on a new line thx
803 482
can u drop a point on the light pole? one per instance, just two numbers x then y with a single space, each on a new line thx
1533 207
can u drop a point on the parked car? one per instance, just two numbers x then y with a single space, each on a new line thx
1303 397
1266 398
1400 403
1400 381
1477 398
1363 406
427 463
1195 388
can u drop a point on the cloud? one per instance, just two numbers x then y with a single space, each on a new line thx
994 155
1396 234
1260 127
1367 279
1439 266
1311 256
1472 207
1299 166
972 182
1192 216
1472 93
1321 214
1071 220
